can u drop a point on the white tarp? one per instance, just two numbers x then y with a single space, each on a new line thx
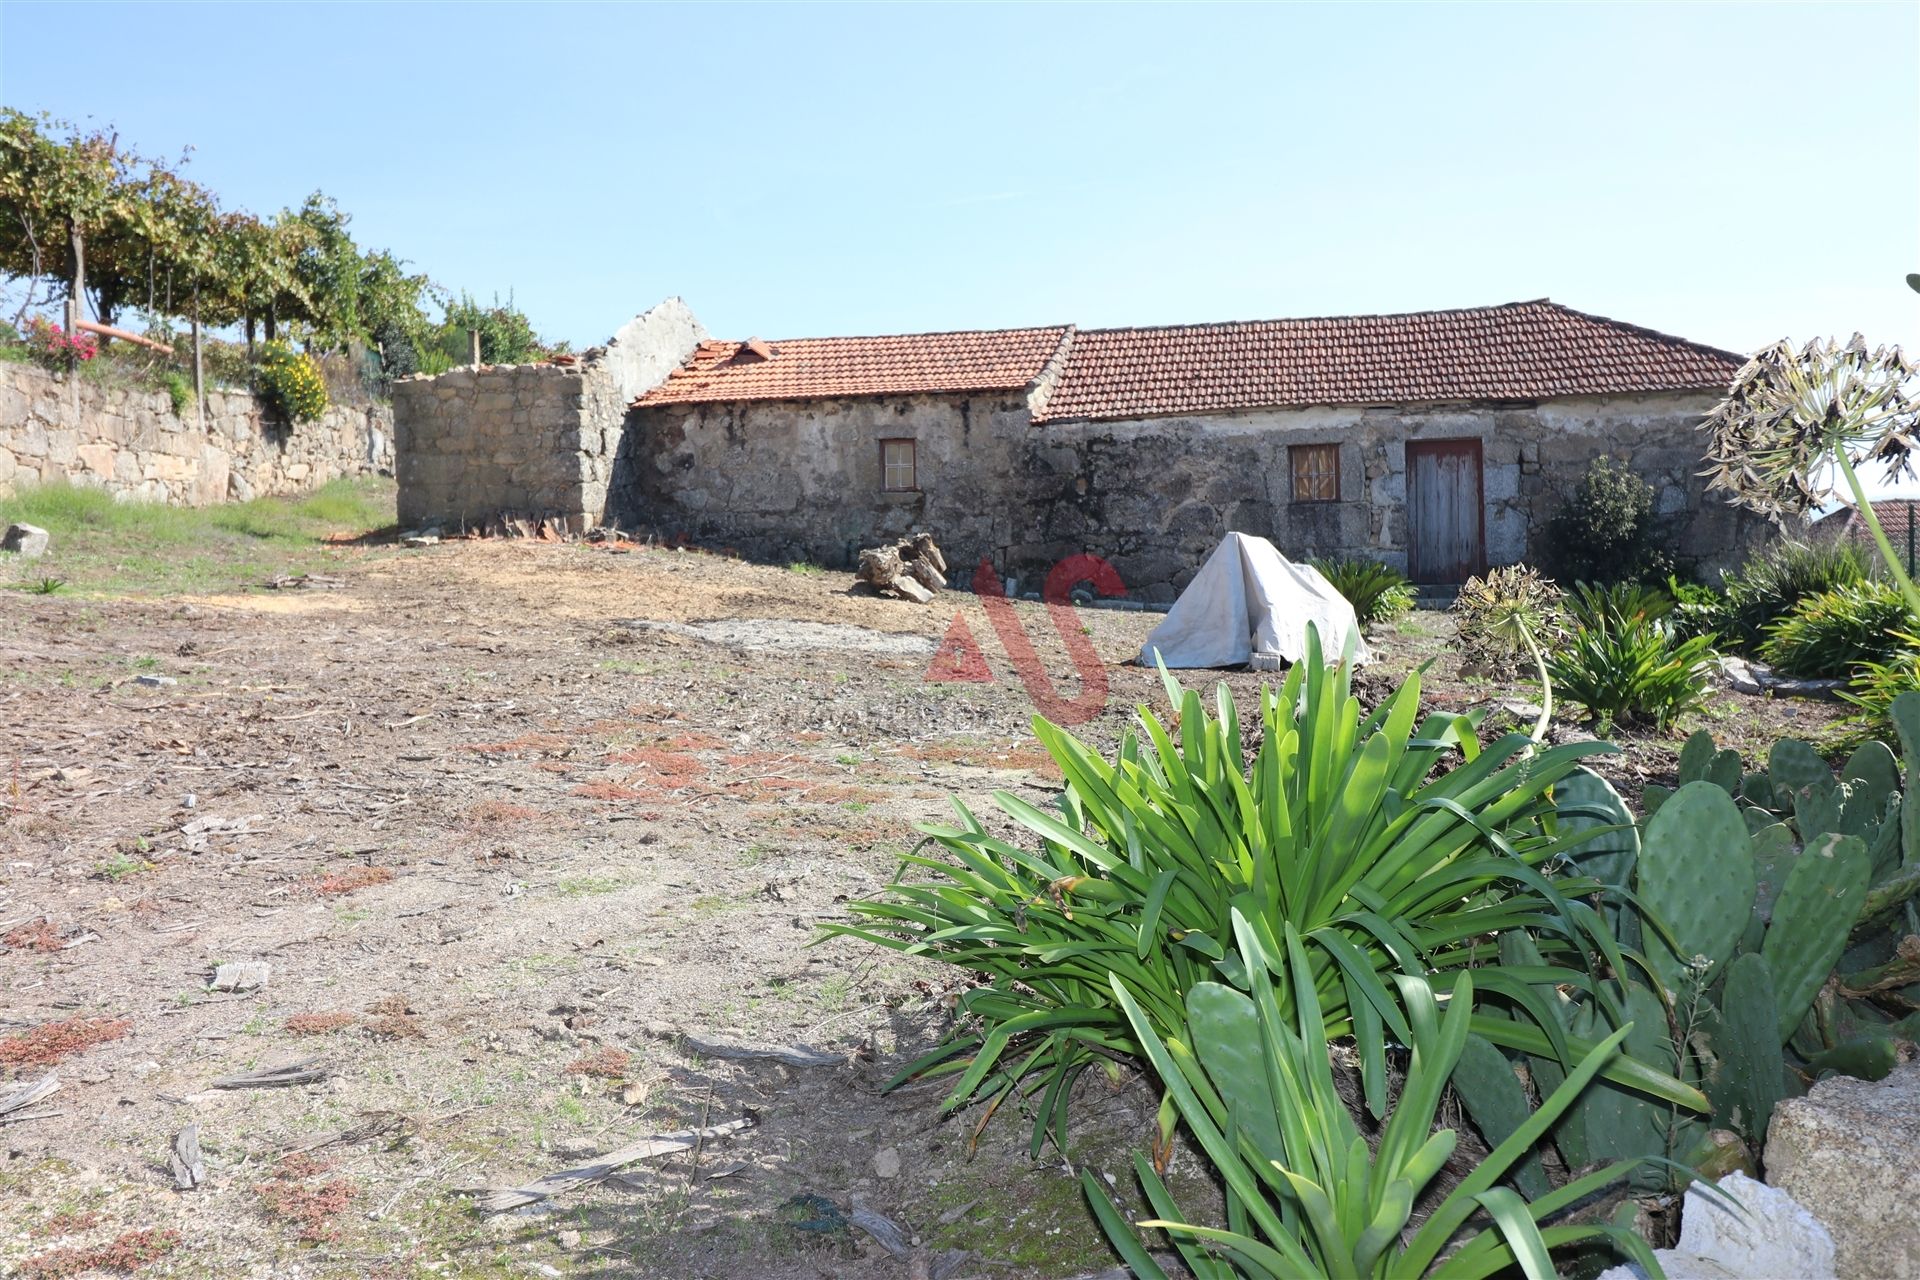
1251 605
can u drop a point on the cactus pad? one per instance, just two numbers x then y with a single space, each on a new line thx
1815 908
1697 876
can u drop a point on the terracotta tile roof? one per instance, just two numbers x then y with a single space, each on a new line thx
824 368
1520 351
1896 516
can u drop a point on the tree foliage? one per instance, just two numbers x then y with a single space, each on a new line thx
81 210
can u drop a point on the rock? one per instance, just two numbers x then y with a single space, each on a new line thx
568 1239
28 541
886 1162
188 1169
244 975
1739 675
1848 1151
155 682
1767 1234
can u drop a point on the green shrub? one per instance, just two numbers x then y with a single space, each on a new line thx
1624 662
1698 609
291 383
1831 634
179 391
1308 1195
1876 684
1349 828
1768 586
1616 604
1604 530
1377 592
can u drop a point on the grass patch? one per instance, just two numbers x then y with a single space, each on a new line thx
589 886
107 546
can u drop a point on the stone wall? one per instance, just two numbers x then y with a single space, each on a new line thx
472 444
130 442
786 481
801 480
536 439
1154 496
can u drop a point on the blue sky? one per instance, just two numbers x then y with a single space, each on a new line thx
1730 173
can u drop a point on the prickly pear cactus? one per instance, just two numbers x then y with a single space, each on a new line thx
1695 756
1873 766
1619 1123
1746 1079
1493 1095
1905 714
1697 877
1793 765
1587 802
1815 908
1757 790
1774 850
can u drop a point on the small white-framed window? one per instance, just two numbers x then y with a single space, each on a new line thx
898 470
1316 472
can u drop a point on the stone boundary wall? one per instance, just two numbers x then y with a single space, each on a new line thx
474 443
531 439
128 441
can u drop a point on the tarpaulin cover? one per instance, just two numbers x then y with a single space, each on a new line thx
1249 605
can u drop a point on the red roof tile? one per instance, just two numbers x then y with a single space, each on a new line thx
1897 519
825 368
1520 351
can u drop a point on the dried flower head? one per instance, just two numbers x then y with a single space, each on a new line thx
1789 409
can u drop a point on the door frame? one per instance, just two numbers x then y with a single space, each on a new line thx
1480 495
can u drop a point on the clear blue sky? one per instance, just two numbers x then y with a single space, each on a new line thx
1729 173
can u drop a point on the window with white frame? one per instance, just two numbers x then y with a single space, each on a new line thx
897 471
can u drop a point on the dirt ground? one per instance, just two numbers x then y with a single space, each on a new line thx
532 838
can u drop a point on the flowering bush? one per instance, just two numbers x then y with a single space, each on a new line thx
291 382
53 347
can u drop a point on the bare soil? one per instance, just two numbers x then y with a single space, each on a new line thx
507 821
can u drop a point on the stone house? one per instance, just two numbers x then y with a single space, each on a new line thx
1438 442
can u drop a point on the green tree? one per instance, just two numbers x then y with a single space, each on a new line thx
506 335
58 194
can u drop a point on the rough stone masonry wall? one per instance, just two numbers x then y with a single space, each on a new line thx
1154 496
801 480
472 444
534 439
787 481
129 442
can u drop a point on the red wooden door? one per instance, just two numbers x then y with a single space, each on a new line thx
1446 522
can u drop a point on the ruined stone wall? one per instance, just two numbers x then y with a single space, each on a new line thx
534 439
472 444
801 480
1154 496
129 441
787 481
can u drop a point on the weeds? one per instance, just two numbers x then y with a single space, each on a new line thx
606 1063
39 936
311 1209
335 883
126 1253
316 1024
50 1042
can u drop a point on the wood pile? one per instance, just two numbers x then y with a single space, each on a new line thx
911 569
